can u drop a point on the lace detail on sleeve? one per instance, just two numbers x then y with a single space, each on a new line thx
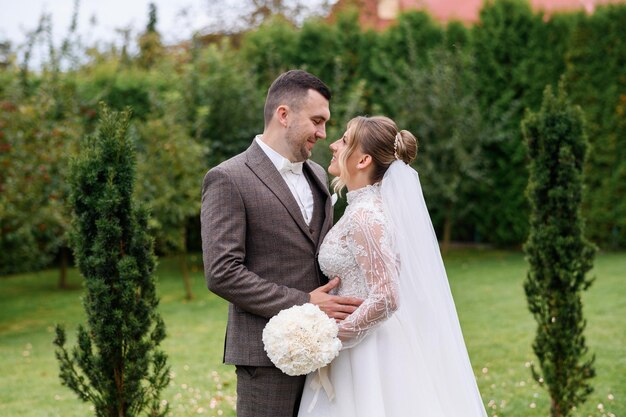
370 242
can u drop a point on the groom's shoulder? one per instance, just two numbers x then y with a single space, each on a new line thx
232 164
228 171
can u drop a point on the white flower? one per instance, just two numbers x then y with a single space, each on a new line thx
333 199
301 339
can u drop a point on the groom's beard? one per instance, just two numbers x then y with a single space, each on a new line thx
297 141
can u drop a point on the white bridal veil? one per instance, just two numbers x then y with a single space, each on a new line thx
427 314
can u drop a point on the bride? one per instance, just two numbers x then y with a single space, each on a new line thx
403 350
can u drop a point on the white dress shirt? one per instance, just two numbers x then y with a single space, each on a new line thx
297 183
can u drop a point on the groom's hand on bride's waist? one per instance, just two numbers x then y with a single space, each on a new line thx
336 307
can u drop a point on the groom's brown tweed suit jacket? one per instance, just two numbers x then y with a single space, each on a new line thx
259 254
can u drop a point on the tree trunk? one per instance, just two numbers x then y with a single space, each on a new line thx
63 269
556 409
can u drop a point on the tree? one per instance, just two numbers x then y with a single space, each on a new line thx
499 43
225 106
37 137
229 17
405 44
558 254
7 56
170 165
150 46
270 49
596 82
40 127
438 105
116 365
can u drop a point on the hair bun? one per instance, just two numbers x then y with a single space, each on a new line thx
406 149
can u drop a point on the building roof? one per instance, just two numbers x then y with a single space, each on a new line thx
379 14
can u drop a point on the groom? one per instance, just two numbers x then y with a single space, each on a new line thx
264 214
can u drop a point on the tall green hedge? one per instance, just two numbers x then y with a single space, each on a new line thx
596 81
220 88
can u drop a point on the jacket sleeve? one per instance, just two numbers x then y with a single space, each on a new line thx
223 223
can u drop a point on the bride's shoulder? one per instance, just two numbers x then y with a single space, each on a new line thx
368 210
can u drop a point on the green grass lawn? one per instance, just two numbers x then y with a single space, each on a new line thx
487 287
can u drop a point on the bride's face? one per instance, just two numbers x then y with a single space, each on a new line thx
337 147
349 169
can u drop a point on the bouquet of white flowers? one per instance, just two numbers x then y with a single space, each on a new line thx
301 339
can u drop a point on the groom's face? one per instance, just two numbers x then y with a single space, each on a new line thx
307 125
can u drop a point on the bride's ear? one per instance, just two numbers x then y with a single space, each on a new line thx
364 161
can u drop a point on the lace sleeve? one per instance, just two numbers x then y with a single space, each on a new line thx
371 244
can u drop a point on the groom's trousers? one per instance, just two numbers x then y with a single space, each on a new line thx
264 391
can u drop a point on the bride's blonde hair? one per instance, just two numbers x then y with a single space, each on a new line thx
379 137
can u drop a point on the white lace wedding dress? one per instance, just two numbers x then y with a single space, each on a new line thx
380 372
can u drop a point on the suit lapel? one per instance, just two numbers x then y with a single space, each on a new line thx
265 170
320 180
322 185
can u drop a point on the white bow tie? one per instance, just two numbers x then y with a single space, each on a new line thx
294 167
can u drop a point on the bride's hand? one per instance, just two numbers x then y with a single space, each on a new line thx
334 306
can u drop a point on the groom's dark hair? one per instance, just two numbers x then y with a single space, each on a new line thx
291 88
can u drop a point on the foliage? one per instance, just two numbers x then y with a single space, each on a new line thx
456 36
150 47
228 110
116 365
595 80
557 251
438 104
310 56
516 53
118 86
405 43
414 33
270 49
229 17
213 93
40 129
38 135
339 53
499 43
170 164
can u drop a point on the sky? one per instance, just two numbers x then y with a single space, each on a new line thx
177 19
17 17
99 21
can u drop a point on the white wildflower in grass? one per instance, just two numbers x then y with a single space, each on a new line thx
301 339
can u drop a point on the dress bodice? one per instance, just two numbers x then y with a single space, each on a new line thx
359 250
398 360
